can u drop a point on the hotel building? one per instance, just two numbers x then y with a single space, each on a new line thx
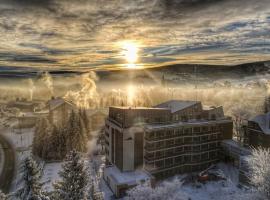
171 138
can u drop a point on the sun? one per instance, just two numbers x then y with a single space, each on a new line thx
130 53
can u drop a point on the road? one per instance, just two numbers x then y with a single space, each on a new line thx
9 165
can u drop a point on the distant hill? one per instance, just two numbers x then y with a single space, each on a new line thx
184 72
178 72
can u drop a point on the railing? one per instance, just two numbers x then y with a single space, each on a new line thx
191 144
184 153
156 139
152 169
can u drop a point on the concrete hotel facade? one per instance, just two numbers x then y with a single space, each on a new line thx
171 138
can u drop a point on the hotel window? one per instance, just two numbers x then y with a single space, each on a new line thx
187 140
169 153
160 144
179 132
178 160
169 133
204 129
178 150
169 143
196 158
169 162
159 154
159 164
214 136
187 131
160 134
204 138
196 148
196 139
187 159
149 145
213 154
196 129
212 145
187 148
204 156
179 141
151 135
149 155
204 147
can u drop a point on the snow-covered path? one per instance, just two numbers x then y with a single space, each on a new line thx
21 142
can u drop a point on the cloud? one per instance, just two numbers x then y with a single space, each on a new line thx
84 33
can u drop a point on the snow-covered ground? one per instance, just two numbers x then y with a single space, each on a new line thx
50 175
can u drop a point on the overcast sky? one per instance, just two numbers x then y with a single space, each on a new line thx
84 34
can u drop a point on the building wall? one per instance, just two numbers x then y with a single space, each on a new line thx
123 147
227 130
128 151
164 148
60 114
129 117
181 149
192 112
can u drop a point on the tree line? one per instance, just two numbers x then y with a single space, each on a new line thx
54 141
75 183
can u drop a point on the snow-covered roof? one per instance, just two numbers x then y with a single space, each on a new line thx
176 105
263 121
130 178
54 103
138 108
205 107
190 122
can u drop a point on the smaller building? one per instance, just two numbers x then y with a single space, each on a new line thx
258 131
59 110
120 182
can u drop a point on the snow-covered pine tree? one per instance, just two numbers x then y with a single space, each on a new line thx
31 188
73 130
83 116
2 196
41 130
83 135
73 179
259 170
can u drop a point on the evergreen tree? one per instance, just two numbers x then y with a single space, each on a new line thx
266 104
31 187
72 132
86 123
41 130
74 179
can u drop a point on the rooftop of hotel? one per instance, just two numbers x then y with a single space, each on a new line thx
176 105
137 108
